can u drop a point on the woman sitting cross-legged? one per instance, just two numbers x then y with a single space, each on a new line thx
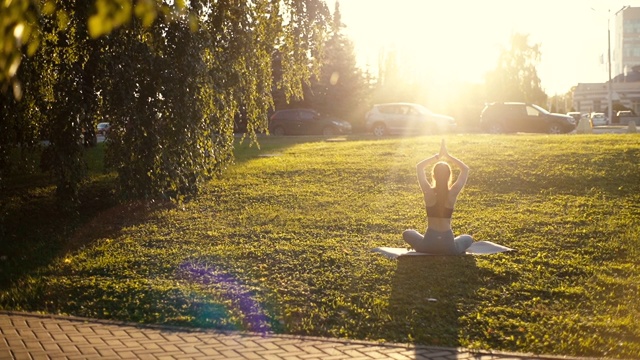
440 198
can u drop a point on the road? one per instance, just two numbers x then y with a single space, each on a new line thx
610 129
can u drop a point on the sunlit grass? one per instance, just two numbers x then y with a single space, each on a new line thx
282 243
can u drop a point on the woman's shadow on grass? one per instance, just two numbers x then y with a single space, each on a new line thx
429 294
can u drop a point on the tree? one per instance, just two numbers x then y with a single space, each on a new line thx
515 77
66 56
339 89
395 84
21 30
18 29
171 78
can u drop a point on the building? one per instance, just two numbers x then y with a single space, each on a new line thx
625 45
593 97
625 70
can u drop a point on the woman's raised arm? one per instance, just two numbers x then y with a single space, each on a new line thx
422 177
464 169
462 177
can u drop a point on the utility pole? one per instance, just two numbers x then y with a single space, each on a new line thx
609 95
609 85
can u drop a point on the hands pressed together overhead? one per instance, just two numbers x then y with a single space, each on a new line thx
443 151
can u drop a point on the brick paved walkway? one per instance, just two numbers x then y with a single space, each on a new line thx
33 336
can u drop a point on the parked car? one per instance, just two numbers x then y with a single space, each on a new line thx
624 117
597 119
406 118
306 122
103 128
510 117
576 115
88 137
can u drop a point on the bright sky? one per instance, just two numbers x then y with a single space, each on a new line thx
462 39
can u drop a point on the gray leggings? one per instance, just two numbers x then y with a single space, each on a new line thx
437 242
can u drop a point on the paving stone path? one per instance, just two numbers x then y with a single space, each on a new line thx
34 336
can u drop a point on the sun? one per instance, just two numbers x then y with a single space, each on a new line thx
432 41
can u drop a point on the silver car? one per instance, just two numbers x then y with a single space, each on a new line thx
406 118
598 119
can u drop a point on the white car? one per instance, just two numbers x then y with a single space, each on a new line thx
103 128
598 119
406 118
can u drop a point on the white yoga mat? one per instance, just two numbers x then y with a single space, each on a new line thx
477 248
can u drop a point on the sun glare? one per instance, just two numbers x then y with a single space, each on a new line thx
445 42
429 46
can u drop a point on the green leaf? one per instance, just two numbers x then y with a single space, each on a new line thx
97 26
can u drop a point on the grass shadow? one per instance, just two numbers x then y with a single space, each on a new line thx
37 231
428 295
267 146
274 146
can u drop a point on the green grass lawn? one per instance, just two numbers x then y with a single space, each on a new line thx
282 243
